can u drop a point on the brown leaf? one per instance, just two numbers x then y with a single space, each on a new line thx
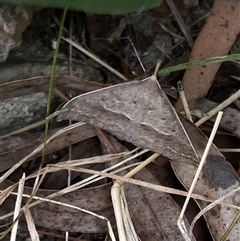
231 117
84 149
159 210
138 112
58 217
14 148
217 179
41 84
215 39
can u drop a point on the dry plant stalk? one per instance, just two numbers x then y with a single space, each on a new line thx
218 108
39 148
184 101
31 225
17 207
211 205
180 222
126 230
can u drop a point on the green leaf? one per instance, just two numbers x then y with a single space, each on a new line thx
95 6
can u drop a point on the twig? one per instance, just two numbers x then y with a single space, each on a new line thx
229 149
184 101
95 58
180 22
218 108
170 32
139 60
180 222
17 207
32 126
211 205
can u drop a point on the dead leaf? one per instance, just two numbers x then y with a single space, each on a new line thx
216 38
41 84
138 112
84 149
231 117
159 210
58 217
14 148
217 179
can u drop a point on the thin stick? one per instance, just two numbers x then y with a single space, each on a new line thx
218 108
32 126
36 150
121 178
139 60
69 174
17 207
180 22
211 205
95 58
184 101
229 149
142 165
171 32
180 222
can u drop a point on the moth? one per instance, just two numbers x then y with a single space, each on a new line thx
138 112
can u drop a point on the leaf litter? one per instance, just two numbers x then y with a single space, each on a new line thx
217 179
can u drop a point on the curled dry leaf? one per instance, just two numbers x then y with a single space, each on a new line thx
41 84
216 38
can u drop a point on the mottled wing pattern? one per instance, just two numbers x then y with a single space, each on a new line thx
138 112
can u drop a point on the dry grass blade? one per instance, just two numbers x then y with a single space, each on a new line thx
231 117
229 149
17 207
83 183
155 187
211 205
181 225
31 226
220 107
180 22
117 207
97 159
91 179
80 48
25 143
126 229
39 148
69 206
32 126
4 194
184 101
